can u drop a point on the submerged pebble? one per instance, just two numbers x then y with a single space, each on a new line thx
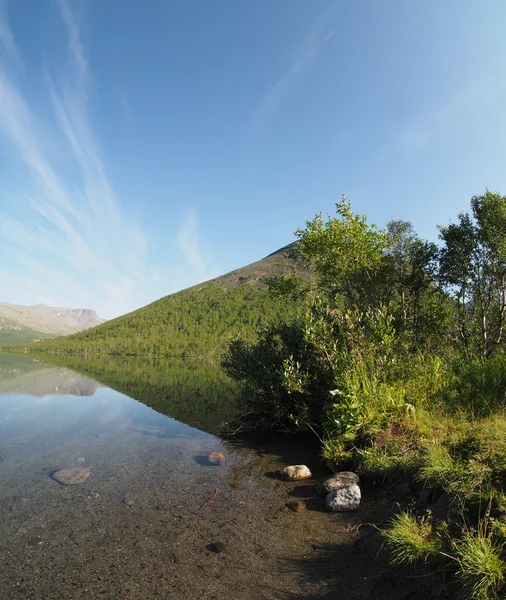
216 547
296 505
71 475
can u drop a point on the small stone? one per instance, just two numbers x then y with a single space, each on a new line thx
345 499
35 541
295 473
128 501
217 547
296 505
71 475
21 531
81 459
216 458
13 508
337 481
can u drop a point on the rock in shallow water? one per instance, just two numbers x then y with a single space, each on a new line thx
295 473
296 505
345 499
71 475
216 458
337 481
217 547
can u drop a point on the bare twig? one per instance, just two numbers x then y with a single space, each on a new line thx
210 499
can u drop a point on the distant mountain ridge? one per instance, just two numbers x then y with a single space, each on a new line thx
24 324
197 321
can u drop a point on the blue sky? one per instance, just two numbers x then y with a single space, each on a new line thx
147 146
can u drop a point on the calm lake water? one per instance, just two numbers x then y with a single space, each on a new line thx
155 520
139 526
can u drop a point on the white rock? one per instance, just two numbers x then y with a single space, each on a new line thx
345 499
295 473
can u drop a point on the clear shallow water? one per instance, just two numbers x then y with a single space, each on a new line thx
141 460
141 527
52 417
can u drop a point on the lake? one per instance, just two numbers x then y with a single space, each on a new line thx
155 519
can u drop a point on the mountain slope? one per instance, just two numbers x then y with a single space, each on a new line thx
197 321
24 324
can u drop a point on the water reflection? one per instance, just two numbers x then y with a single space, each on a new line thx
114 395
195 392
22 375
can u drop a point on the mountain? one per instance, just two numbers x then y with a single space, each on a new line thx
197 321
25 324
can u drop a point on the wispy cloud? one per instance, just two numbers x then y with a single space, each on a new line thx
6 37
65 235
318 36
189 245
460 107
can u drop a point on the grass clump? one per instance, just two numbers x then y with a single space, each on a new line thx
481 567
461 479
412 540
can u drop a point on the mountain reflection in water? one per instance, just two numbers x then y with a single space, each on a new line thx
194 392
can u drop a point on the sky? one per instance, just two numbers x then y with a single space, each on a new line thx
149 146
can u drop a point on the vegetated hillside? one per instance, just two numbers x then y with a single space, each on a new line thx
197 321
25 324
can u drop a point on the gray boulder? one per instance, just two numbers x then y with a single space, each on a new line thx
336 482
345 499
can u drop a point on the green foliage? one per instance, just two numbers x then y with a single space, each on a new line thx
477 554
461 478
22 336
347 255
397 363
479 385
199 321
472 269
282 381
412 540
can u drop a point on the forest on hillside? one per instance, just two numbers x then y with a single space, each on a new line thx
197 321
